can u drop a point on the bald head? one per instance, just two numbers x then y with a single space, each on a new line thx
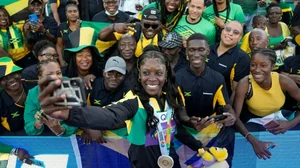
258 39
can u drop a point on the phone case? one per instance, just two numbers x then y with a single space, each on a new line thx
74 90
38 163
270 124
33 19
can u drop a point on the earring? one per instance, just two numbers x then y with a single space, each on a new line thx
166 80
139 80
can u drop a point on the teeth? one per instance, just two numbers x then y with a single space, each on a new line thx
13 84
152 86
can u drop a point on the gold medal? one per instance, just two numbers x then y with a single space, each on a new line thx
165 161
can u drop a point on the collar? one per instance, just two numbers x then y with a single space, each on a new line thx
230 51
186 19
108 19
203 74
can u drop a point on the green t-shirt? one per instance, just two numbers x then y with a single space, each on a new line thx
236 13
184 28
248 6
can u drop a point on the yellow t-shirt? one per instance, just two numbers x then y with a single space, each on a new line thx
264 102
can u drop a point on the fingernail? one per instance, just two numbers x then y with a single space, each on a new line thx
63 96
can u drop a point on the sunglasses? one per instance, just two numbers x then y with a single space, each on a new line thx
147 26
235 31
49 55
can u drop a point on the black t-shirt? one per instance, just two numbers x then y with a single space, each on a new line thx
50 26
64 32
61 10
102 17
234 64
296 22
202 93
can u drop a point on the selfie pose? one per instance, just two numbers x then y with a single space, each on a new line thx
264 93
153 106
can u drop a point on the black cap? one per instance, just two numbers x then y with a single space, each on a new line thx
31 1
151 12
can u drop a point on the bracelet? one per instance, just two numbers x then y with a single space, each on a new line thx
62 133
246 136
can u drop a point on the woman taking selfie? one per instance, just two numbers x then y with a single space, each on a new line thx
34 121
264 93
154 101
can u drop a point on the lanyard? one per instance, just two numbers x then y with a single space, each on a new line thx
164 135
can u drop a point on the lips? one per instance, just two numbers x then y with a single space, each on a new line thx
171 8
152 86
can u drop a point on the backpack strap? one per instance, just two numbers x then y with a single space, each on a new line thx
249 91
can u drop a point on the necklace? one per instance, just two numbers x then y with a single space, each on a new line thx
20 96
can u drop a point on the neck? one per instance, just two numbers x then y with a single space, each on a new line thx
82 73
175 59
221 6
266 85
222 49
15 93
274 25
112 17
129 64
198 71
3 27
191 20
41 18
72 23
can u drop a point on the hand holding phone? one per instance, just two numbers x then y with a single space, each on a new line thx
271 124
218 117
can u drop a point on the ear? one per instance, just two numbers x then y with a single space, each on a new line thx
103 73
186 55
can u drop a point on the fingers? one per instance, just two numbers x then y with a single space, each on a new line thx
28 161
43 83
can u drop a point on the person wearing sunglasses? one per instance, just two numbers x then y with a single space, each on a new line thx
148 32
228 59
42 50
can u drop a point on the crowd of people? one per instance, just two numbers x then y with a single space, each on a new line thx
174 61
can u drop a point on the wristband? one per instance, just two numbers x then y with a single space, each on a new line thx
246 136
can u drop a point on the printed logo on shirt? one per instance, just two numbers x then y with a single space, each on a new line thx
187 94
16 114
206 60
222 65
97 102
163 117
206 93
65 31
298 71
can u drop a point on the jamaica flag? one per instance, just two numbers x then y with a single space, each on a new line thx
16 8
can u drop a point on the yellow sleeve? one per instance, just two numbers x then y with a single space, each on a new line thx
285 30
245 43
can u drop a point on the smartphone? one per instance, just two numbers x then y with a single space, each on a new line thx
74 89
271 147
271 124
218 117
33 19
44 115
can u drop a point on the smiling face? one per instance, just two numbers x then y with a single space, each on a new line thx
11 82
274 14
113 79
4 19
231 34
261 68
196 8
150 28
127 46
84 59
260 23
51 68
36 7
111 6
171 5
197 51
72 13
153 75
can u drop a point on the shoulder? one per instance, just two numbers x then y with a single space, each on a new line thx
181 72
123 14
283 25
151 5
98 16
63 25
213 73
242 55
34 91
235 6
243 83
30 71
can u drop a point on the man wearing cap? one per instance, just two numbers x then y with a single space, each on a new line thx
107 89
111 14
171 47
12 98
148 32
42 28
195 23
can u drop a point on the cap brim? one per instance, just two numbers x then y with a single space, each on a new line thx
68 52
115 69
164 44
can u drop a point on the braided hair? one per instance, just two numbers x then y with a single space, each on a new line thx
173 97
218 29
266 52
179 11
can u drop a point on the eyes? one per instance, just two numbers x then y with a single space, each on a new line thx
157 73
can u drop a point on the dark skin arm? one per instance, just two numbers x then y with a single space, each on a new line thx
295 30
107 33
289 86
259 147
